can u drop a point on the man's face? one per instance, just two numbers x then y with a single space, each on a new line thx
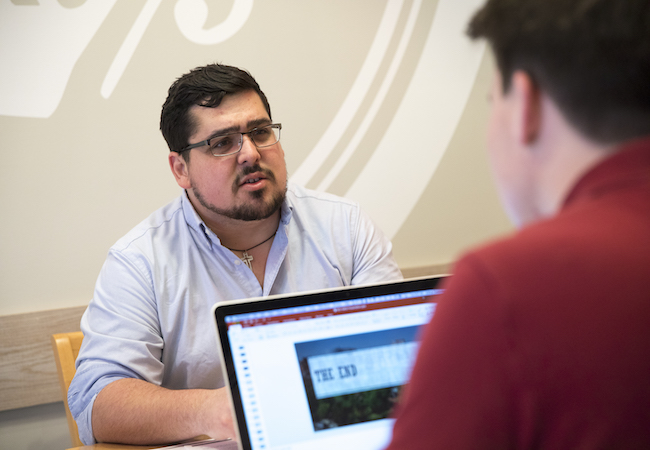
510 159
249 185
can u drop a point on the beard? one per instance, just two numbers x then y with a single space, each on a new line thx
257 207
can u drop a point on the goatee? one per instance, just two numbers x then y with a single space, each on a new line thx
257 208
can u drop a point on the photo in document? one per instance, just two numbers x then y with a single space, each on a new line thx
356 378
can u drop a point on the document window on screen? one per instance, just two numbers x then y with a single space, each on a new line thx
326 373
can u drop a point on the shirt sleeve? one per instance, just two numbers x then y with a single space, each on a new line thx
372 253
122 337
459 394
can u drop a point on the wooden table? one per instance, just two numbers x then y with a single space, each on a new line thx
134 447
111 447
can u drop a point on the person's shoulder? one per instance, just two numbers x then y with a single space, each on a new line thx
160 220
543 248
298 194
518 249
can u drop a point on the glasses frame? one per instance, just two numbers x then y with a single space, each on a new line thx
276 126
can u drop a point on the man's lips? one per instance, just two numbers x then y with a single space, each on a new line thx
252 179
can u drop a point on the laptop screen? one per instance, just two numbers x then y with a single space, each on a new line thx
322 369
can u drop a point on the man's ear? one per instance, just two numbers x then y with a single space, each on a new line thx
528 107
180 170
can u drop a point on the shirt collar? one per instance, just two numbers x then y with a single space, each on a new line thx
194 221
286 211
628 166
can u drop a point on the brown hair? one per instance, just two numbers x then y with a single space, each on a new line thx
592 57
205 86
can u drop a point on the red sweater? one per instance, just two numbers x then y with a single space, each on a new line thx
542 340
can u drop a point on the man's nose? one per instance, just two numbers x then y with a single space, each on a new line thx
249 152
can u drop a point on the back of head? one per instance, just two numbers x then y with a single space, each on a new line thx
592 57
204 86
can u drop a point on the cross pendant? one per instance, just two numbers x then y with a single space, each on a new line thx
247 259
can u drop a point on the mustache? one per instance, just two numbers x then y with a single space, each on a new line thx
252 169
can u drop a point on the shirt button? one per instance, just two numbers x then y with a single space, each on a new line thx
237 262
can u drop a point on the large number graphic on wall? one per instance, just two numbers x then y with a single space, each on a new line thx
42 40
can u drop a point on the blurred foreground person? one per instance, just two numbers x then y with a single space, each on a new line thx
542 339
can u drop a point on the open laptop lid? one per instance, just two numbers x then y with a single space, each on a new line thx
322 369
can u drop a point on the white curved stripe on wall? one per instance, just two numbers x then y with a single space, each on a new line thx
377 101
39 46
410 151
128 47
191 16
355 97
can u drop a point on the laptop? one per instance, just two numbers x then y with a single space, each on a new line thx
322 369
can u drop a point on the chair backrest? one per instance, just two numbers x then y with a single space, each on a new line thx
66 348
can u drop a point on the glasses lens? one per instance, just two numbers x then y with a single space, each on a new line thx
265 136
224 145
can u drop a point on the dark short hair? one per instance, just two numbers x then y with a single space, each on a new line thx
592 57
204 86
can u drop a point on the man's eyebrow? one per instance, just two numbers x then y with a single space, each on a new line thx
257 122
235 129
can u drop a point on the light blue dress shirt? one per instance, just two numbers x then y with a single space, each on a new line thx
150 317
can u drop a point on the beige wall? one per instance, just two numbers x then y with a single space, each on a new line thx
382 101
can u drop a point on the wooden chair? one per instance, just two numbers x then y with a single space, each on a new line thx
66 348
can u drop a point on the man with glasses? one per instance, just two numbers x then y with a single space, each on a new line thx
148 371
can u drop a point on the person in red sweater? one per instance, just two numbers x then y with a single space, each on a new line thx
542 339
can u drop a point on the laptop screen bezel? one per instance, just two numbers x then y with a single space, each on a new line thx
226 309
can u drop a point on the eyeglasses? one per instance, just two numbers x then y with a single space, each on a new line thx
229 144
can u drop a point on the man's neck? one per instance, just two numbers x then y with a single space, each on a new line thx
234 233
565 156
242 235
